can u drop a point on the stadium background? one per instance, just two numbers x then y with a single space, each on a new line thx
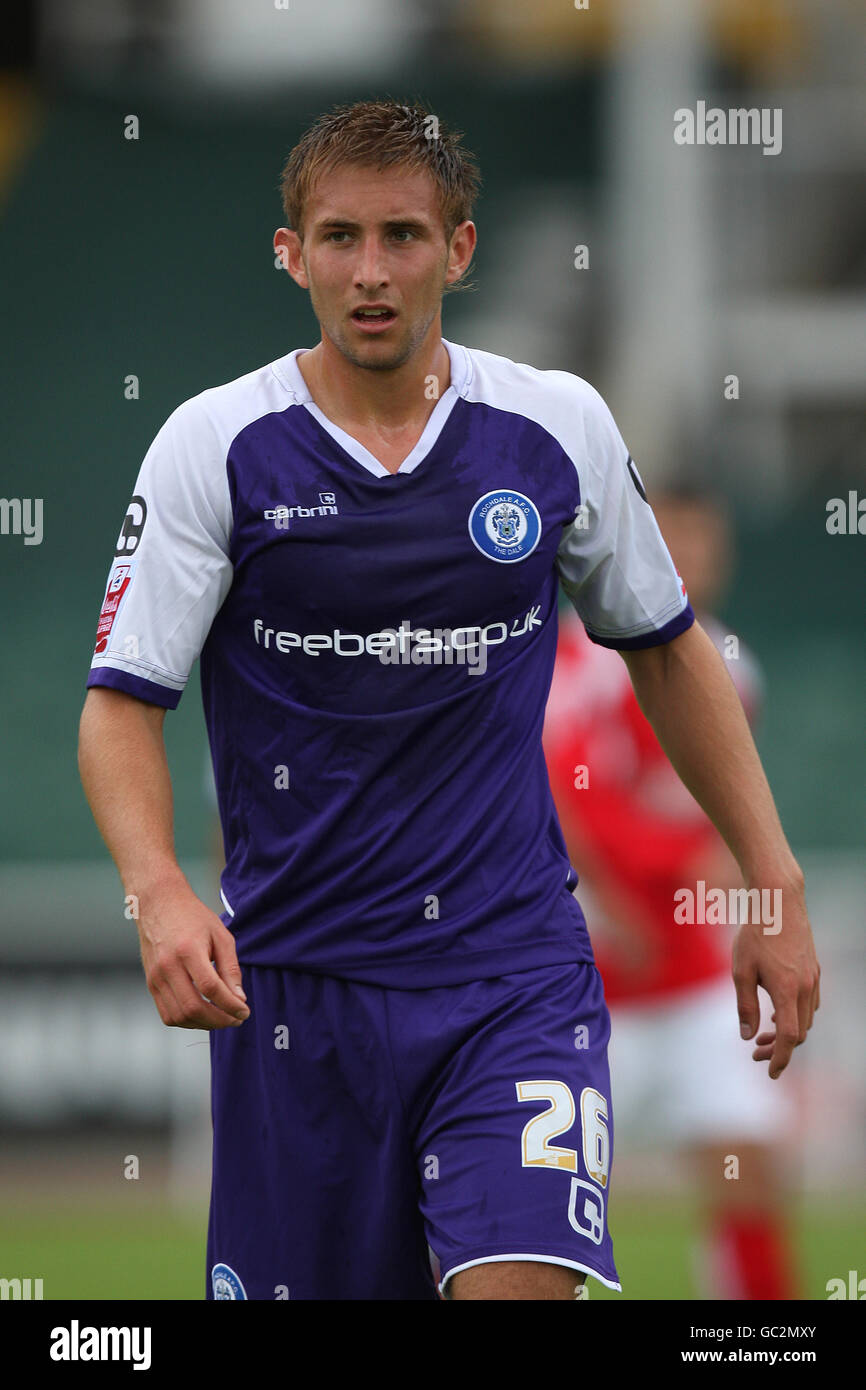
152 257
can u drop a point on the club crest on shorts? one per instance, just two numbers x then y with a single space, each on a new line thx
505 525
226 1284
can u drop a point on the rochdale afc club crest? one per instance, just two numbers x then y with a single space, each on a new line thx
226 1284
505 526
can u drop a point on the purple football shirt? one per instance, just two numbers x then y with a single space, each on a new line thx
376 652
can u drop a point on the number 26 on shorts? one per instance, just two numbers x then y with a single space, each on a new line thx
538 1152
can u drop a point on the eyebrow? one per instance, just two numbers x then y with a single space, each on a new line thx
344 224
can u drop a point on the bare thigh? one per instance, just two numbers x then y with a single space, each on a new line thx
515 1279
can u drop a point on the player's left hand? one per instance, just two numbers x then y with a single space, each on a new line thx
783 961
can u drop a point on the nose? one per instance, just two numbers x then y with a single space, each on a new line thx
370 266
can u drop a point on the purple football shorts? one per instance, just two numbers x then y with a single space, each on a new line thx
358 1128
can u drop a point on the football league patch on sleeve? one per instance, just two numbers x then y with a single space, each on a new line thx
118 584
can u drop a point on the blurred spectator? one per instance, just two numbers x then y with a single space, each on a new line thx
681 1076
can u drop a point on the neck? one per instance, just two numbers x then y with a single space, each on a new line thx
389 399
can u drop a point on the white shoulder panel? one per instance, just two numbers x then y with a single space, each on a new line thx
612 561
172 570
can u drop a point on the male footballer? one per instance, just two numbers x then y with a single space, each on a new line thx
363 542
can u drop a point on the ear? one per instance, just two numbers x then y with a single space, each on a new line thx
461 251
287 245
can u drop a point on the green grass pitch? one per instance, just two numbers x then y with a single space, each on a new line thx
98 1252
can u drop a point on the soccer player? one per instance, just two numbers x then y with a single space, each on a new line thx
363 541
680 1076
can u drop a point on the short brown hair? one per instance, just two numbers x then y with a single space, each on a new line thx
382 134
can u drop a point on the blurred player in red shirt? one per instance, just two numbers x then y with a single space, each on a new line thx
681 1076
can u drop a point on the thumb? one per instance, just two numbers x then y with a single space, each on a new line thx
226 961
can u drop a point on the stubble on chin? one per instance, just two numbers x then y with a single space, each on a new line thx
397 357
382 362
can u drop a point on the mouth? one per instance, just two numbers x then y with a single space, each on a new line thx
373 318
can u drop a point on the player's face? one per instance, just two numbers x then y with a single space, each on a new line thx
375 240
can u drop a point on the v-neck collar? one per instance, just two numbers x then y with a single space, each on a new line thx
289 373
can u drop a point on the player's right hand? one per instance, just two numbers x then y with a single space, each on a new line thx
190 962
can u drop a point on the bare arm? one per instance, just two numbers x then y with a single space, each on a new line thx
688 697
186 950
